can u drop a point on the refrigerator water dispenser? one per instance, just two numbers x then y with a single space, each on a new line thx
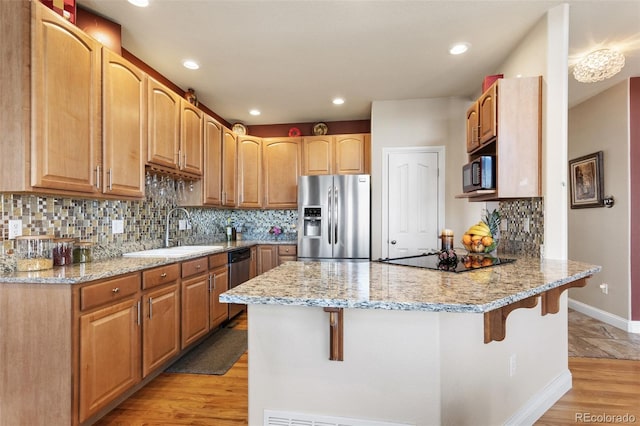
312 221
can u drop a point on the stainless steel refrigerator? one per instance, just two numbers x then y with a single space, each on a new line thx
334 217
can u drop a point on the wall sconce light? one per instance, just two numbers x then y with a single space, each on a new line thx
598 65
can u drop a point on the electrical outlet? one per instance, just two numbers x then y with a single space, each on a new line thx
182 224
15 228
513 365
526 225
605 288
117 226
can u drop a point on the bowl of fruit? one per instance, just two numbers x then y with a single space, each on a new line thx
481 237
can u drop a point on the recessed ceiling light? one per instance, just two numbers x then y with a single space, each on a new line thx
254 112
192 65
139 3
338 101
459 48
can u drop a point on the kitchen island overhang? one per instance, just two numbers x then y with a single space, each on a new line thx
406 328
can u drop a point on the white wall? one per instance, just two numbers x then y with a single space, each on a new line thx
422 122
601 235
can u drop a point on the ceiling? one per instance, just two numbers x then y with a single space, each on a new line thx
290 58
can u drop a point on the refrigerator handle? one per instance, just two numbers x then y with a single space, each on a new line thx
329 214
336 199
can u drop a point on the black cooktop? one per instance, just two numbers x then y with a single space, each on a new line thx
457 263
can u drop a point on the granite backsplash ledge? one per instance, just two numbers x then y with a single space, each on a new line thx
144 223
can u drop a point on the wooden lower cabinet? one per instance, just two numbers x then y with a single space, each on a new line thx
270 256
219 283
195 308
161 327
109 354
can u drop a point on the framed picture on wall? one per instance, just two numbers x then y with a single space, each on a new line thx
586 178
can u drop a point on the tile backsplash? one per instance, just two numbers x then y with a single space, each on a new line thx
515 239
144 223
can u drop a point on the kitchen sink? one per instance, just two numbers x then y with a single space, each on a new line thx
177 251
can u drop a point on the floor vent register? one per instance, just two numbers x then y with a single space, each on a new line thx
287 418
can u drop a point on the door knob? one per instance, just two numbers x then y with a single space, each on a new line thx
393 241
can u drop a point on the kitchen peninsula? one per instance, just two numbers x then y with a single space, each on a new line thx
411 342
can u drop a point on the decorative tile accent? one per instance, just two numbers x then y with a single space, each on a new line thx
515 240
144 223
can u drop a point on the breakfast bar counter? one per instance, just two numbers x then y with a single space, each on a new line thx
375 342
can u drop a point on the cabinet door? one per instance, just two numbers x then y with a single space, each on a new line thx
66 105
219 283
161 327
249 171
195 308
317 155
164 125
109 354
472 128
267 258
282 166
253 266
229 167
350 155
124 126
191 136
487 114
212 182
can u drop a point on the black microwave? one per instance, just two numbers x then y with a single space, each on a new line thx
479 174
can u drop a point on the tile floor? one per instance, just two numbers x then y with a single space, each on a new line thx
591 338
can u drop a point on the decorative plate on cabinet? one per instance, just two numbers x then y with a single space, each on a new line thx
239 129
320 129
294 132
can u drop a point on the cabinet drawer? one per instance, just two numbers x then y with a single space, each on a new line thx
162 275
109 291
288 250
216 260
196 266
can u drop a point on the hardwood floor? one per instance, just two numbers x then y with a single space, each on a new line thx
600 387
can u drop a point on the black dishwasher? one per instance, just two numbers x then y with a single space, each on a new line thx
239 262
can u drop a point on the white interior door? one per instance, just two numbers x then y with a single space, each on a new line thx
413 203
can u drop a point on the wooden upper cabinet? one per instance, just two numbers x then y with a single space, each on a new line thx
249 171
66 105
350 154
281 167
164 125
473 141
229 167
191 136
318 155
124 126
487 109
337 154
212 181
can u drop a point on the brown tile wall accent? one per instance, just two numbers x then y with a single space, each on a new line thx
515 240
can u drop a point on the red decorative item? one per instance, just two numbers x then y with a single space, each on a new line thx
66 8
489 80
293 132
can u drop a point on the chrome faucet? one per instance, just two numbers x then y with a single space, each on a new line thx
166 234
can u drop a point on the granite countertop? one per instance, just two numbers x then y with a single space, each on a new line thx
101 269
375 285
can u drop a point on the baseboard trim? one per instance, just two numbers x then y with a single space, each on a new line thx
604 316
542 401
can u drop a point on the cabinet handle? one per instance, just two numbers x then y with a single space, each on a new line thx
184 158
138 305
110 174
98 177
115 290
179 158
163 275
215 278
150 307
210 283
198 266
